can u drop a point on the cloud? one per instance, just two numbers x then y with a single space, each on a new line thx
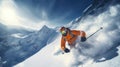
9 16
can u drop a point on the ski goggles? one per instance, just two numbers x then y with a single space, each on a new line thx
63 32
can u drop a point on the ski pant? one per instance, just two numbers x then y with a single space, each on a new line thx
77 42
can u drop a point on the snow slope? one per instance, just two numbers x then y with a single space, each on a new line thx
101 50
110 63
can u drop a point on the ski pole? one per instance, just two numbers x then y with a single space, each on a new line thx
95 32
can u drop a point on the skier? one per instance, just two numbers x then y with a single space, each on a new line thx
70 36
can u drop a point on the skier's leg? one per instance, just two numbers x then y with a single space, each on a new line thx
72 46
78 40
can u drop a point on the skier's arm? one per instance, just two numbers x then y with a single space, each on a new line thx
82 34
63 41
78 32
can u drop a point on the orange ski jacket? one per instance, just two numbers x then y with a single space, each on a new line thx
71 37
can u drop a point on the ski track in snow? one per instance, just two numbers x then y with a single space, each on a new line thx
96 49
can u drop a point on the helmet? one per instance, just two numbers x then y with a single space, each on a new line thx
63 31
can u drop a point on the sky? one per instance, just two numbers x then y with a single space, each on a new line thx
33 13
56 11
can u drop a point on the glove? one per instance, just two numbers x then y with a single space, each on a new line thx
66 50
83 39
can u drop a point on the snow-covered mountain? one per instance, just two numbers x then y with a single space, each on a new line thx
17 47
97 7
